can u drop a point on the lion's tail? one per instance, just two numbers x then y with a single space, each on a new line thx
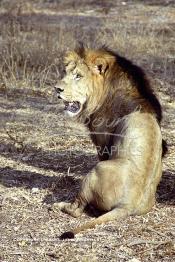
117 213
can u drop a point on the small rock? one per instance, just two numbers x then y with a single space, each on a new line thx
35 190
134 260
16 228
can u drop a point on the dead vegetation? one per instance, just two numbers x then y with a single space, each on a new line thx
41 161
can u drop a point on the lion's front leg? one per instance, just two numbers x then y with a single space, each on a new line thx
74 209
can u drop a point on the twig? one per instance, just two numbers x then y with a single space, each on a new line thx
159 244
68 171
142 241
155 231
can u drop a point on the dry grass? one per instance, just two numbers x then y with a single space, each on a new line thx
41 161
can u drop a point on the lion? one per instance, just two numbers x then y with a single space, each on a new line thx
113 97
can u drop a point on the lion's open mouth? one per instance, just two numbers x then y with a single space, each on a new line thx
73 107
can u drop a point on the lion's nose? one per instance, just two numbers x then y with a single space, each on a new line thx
58 89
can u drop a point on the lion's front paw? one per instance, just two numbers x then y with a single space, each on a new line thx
61 205
69 208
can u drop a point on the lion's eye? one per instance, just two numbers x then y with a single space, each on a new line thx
78 76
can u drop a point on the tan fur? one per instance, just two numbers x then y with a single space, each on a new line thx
123 122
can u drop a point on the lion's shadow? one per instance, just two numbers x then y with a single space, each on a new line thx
59 172
60 161
166 188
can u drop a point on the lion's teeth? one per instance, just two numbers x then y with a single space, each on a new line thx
72 106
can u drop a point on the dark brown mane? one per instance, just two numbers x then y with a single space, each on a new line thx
142 84
137 76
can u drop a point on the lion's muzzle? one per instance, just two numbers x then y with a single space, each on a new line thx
58 91
69 106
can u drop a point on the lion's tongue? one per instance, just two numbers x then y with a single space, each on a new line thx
72 106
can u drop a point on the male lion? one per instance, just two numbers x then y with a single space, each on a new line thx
102 87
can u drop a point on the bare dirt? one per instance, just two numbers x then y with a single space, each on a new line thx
43 157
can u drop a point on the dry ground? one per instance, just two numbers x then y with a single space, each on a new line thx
43 157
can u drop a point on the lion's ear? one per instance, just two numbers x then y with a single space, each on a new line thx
100 66
80 49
